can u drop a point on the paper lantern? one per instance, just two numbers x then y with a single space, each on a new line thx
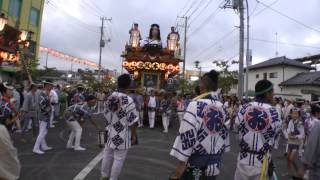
162 66
170 68
155 66
140 65
147 65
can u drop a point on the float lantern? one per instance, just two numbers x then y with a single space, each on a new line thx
135 38
172 42
3 21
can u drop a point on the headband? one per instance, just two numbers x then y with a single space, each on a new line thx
265 90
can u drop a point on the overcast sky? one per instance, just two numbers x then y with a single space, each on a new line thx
72 26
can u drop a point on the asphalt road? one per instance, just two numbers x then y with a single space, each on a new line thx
150 160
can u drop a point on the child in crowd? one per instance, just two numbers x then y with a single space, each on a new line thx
296 136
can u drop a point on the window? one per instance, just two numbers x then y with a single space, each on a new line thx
273 75
265 75
15 8
257 76
34 16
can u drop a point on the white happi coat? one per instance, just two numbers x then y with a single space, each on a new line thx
202 132
121 113
258 124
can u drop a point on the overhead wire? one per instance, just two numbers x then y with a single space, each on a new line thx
290 18
203 10
210 17
229 33
96 7
75 21
190 7
196 8
283 43
271 4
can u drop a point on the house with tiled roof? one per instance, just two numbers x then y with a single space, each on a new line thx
292 79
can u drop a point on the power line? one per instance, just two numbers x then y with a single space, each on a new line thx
262 10
254 9
196 9
210 17
219 50
191 5
52 4
94 7
203 10
216 42
184 7
284 43
75 21
290 18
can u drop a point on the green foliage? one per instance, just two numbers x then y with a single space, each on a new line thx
105 85
227 78
28 66
48 72
186 87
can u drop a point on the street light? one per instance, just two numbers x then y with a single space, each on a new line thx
3 21
198 67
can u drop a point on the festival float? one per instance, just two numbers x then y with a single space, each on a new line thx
150 64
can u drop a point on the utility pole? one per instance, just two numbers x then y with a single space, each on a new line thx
102 44
241 51
47 59
248 55
184 47
238 5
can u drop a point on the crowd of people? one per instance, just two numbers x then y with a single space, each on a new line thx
205 118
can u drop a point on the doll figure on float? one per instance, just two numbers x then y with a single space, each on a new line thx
154 39
135 36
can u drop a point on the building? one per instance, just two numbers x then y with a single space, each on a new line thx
307 84
20 27
278 70
193 75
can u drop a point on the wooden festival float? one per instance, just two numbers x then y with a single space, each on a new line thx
149 63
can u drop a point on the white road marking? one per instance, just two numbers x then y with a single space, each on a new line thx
85 171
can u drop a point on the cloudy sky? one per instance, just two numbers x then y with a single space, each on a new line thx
72 26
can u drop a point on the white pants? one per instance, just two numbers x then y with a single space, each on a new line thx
151 115
112 162
52 115
165 121
41 139
57 110
180 116
75 135
244 172
140 122
100 105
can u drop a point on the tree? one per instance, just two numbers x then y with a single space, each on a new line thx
227 78
28 65
183 85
